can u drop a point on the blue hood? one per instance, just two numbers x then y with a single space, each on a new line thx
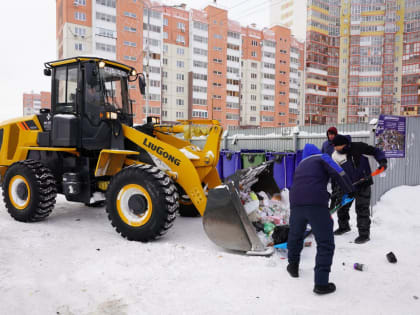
310 149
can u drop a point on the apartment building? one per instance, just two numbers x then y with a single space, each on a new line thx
296 82
410 94
322 61
291 14
201 64
33 102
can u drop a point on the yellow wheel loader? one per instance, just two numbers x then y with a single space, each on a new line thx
87 148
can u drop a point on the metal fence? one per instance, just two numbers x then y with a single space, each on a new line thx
400 171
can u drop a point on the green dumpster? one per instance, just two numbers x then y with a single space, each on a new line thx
252 158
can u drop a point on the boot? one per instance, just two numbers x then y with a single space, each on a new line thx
342 230
324 289
293 269
363 238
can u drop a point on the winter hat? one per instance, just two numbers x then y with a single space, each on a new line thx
332 130
340 140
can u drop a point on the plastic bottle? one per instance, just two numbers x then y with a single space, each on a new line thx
360 267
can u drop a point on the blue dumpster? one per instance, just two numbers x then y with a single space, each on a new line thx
283 169
231 162
219 166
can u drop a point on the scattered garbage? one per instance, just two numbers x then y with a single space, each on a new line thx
391 257
360 267
269 215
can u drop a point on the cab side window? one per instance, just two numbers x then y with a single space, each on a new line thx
65 83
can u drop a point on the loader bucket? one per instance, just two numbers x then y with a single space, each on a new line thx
225 220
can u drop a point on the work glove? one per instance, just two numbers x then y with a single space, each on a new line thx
383 163
346 199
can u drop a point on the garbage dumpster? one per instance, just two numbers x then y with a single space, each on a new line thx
252 158
231 162
284 168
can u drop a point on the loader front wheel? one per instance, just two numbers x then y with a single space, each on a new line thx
141 202
29 191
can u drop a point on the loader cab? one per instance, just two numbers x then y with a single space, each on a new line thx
90 101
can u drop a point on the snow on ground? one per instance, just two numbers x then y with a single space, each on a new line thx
75 263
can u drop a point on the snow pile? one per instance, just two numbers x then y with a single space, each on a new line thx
75 263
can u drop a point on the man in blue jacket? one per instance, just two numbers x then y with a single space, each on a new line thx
309 204
350 156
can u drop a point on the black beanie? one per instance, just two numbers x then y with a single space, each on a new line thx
340 140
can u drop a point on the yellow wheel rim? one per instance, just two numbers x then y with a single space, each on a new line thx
127 214
17 201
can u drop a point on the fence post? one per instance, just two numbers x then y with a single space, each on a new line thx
295 140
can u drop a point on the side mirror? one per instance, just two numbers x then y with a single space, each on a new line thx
142 84
45 110
47 72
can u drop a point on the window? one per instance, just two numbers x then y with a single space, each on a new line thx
199 51
230 116
217 60
165 22
105 17
80 16
130 29
80 31
131 44
253 75
165 61
180 39
199 76
108 3
254 43
200 64
200 26
254 65
165 48
180 76
165 35
179 102
65 89
253 108
151 27
130 14
78 46
180 64
199 101
105 47
200 39
215 48
180 51
130 58
253 53
180 89
253 97
200 89
80 2
253 86
180 26
234 35
104 32
199 113
179 114
155 83
218 36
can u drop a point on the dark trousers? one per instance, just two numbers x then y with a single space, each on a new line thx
334 194
362 197
322 226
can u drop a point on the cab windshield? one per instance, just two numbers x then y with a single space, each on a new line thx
115 89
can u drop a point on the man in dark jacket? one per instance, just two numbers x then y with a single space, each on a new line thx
309 204
327 146
350 156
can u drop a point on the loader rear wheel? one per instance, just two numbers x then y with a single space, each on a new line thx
29 191
141 202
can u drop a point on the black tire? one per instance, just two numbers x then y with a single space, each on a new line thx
147 205
29 191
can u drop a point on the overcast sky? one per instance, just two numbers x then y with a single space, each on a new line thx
28 32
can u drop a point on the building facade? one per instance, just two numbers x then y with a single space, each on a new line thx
33 102
201 64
